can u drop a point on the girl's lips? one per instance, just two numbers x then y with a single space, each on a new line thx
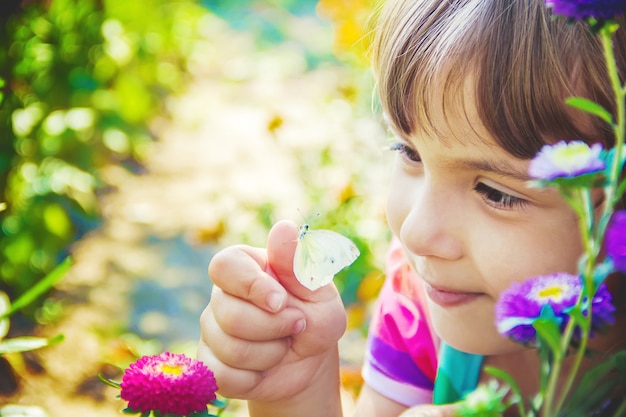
449 298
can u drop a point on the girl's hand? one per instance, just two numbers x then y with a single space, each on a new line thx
265 336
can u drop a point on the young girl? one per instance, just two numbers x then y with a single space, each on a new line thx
472 90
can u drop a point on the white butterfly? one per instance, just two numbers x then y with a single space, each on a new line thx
320 255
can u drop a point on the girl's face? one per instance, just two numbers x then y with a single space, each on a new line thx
470 226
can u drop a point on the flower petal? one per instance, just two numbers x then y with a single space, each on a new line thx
522 304
583 9
615 240
566 160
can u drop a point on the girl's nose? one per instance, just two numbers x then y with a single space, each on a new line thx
434 224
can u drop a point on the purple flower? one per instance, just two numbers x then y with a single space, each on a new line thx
602 309
616 240
583 9
566 160
169 383
521 304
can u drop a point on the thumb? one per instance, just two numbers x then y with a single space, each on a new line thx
281 247
429 410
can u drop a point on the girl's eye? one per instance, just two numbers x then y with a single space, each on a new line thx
406 151
498 199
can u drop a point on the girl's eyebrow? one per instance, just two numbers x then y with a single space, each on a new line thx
497 167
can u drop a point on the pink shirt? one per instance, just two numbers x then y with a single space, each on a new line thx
401 356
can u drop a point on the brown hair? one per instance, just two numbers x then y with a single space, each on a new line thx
523 62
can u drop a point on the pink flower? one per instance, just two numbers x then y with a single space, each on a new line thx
169 383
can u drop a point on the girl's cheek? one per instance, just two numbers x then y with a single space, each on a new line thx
398 204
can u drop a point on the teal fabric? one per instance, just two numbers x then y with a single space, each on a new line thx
458 374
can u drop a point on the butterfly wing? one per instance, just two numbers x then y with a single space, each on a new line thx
320 255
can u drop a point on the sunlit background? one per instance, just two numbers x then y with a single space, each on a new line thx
140 137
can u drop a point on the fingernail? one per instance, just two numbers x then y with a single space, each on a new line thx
275 301
299 326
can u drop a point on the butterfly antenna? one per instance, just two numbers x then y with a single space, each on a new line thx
303 216
306 221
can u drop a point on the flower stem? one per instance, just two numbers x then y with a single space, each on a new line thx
584 208
580 353
619 128
552 409
592 248
554 376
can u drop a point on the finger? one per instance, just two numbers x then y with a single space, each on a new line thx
281 246
232 382
240 271
241 319
240 353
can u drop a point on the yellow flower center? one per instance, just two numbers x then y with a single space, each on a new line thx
174 370
571 153
554 293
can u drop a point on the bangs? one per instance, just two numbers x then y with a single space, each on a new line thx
520 67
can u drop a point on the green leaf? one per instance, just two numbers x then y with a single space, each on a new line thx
41 287
219 403
596 385
590 107
567 184
576 313
601 271
548 330
56 339
535 404
619 359
583 404
109 382
591 377
545 369
203 413
504 376
487 400
608 28
23 344
511 382
620 190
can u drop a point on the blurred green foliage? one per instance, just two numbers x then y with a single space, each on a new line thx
80 81
264 18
